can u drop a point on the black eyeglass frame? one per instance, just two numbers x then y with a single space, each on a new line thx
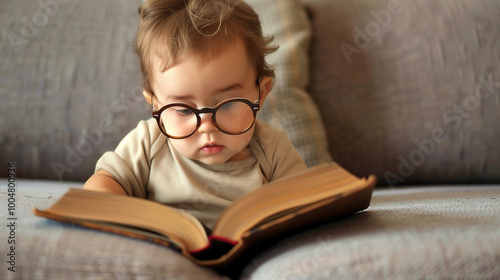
255 106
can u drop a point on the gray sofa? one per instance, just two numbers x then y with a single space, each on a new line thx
406 90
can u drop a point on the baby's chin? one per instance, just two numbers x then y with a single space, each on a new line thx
211 161
220 159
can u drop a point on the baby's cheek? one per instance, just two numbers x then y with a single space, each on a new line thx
241 142
184 147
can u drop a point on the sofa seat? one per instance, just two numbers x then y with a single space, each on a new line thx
441 232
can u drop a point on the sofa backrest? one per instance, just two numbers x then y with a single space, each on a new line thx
70 86
409 90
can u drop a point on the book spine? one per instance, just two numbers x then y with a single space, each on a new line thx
217 247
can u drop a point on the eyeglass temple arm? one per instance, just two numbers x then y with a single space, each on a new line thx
258 87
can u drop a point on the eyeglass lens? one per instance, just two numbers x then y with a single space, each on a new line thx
232 117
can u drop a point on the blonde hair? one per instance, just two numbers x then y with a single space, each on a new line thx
172 29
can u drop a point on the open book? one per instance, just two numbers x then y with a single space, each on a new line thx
282 207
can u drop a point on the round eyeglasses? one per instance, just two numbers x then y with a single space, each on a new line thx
233 116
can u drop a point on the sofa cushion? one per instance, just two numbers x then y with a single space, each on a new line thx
415 233
407 233
409 90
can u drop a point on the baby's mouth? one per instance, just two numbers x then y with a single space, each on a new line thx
212 148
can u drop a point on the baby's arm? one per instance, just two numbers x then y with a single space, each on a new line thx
103 181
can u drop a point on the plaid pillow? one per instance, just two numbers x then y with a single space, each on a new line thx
289 106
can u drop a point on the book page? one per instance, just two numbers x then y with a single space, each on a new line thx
276 197
135 212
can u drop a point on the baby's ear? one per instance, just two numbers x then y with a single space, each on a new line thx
148 95
265 84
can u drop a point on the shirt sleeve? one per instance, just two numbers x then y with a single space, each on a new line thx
279 157
129 163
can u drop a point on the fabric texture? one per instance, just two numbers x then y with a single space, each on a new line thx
409 90
146 166
70 84
427 233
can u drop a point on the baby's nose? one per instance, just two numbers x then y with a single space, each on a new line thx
206 123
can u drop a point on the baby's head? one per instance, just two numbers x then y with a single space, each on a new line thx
171 30
202 53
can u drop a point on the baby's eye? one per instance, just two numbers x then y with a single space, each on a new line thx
227 106
179 111
184 112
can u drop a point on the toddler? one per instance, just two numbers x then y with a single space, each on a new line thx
205 76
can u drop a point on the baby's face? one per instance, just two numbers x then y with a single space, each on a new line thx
205 84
